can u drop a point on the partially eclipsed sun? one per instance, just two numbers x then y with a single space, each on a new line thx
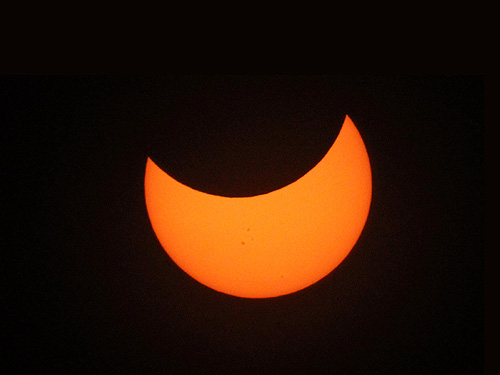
271 244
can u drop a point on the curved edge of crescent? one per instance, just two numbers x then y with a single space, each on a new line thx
348 130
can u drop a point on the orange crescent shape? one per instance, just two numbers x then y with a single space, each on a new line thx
272 244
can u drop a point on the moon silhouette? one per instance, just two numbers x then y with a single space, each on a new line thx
271 244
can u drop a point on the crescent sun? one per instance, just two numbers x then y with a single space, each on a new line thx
272 244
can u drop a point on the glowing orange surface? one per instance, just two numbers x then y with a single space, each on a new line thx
271 244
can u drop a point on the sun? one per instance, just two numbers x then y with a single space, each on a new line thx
272 244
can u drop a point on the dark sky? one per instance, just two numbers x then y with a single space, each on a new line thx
88 288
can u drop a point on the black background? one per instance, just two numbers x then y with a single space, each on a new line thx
88 288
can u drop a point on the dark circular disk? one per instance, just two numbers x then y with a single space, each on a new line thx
240 136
